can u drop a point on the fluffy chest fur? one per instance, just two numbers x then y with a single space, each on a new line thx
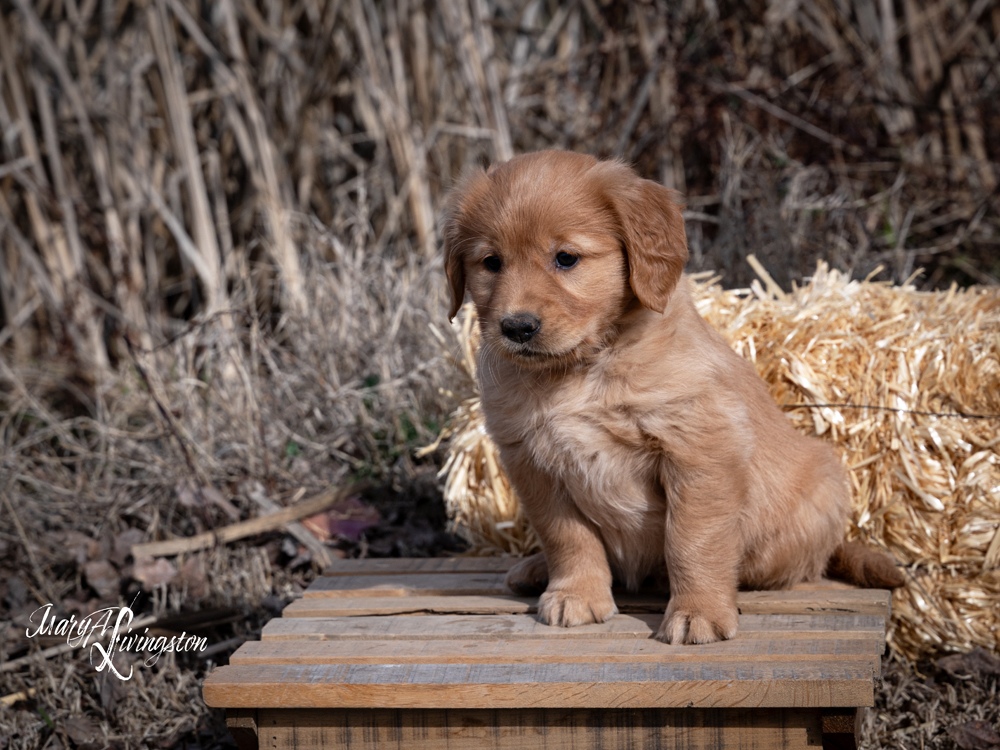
586 438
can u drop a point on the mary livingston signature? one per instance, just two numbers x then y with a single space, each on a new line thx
80 631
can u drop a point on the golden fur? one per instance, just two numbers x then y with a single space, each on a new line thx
636 439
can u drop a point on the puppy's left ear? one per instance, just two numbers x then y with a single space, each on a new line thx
460 229
454 264
652 230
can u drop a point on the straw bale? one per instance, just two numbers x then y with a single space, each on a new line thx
926 481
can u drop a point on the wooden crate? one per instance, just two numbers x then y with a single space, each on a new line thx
434 653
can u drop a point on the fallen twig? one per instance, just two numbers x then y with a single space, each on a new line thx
9 700
246 528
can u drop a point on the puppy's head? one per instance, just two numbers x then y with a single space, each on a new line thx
554 246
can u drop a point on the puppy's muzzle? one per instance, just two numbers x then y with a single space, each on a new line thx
520 327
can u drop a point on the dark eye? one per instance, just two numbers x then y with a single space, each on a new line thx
566 260
492 263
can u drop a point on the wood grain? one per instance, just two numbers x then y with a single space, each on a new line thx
542 729
817 601
508 627
356 606
579 685
408 565
817 596
552 651
408 584
838 601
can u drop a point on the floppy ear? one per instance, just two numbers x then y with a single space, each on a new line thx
454 263
461 226
652 229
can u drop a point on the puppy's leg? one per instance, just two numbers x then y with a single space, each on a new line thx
579 577
579 590
703 549
528 577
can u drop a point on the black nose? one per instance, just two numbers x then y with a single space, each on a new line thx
520 327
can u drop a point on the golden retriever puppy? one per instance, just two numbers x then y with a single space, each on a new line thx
638 442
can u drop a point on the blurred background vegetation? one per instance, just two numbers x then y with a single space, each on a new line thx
165 161
219 224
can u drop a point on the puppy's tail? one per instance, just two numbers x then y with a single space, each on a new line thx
862 566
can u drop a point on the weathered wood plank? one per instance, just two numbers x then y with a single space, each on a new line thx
408 584
823 584
491 583
414 565
840 601
408 565
420 605
586 685
451 627
824 601
510 627
543 729
561 651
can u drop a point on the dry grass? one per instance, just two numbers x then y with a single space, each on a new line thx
246 192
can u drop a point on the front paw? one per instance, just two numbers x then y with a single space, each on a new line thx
528 577
568 608
692 620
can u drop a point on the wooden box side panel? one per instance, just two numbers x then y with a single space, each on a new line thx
548 729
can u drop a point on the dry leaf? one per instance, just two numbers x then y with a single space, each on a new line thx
978 661
77 546
123 545
347 518
350 517
186 495
152 573
318 526
192 575
974 735
102 577
113 690
84 732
